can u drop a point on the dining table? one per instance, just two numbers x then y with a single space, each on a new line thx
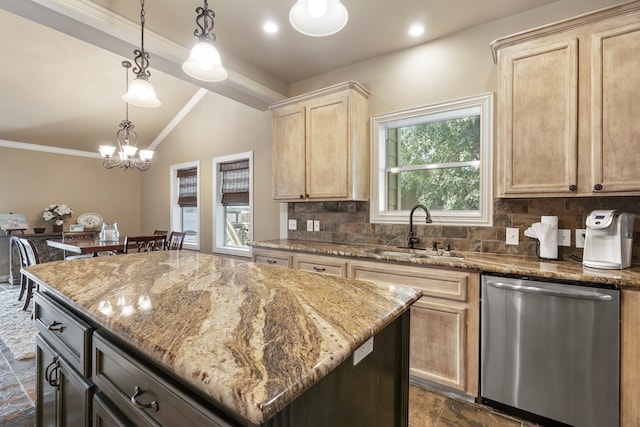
87 246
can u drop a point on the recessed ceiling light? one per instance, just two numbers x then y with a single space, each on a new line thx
270 27
416 30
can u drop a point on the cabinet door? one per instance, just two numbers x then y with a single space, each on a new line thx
615 94
46 392
289 153
438 344
538 131
327 151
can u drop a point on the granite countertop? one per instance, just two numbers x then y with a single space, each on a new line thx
482 262
252 336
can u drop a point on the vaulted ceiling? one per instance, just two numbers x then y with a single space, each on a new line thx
61 80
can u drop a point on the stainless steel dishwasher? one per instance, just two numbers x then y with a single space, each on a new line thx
550 352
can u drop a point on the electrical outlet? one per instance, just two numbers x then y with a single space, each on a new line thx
580 234
316 225
309 225
292 224
564 237
513 236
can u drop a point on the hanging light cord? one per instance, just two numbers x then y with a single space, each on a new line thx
204 21
141 57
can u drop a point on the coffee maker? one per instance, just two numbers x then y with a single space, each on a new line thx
609 239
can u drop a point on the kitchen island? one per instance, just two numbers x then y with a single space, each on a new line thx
240 343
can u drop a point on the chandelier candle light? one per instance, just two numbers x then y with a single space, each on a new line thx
204 61
127 143
141 92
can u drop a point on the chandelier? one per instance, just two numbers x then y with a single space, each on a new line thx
141 92
318 18
204 61
128 155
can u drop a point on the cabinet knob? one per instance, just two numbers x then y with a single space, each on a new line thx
306 196
597 187
573 187
302 196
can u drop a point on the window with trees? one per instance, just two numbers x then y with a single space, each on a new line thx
439 156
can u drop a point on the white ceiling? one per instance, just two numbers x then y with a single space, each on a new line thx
61 80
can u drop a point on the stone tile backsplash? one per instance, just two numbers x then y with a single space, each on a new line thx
344 222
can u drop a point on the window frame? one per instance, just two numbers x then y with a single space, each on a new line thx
176 213
378 212
218 240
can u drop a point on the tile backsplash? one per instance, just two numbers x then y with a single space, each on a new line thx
344 222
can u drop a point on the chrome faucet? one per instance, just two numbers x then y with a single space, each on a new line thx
411 239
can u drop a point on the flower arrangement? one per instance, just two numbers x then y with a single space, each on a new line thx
57 213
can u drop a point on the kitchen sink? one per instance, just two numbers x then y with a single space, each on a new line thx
412 253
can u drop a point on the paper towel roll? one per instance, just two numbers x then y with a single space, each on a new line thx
551 220
548 237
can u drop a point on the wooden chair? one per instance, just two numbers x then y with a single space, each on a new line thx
159 232
175 241
78 235
31 258
145 243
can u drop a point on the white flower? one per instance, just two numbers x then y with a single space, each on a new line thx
57 213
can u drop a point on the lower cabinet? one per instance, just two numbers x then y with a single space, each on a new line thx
445 331
444 337
63 396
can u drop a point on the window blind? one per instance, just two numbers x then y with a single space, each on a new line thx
235 183
188 188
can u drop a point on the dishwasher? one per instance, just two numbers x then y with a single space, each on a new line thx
550 352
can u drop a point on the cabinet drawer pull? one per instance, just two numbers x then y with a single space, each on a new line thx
272 261
137 392
55 326
597 187
573 187
51 373
320 269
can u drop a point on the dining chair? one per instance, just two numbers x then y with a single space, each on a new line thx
145 243
175 241
78 235
31 258
159 232
23 263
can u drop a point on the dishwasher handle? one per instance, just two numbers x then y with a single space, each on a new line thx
551 292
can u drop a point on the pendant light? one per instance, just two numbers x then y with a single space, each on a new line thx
318 18
204 61
128 155
141 92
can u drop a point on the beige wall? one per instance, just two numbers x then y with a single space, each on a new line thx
453 67
217 126
31 180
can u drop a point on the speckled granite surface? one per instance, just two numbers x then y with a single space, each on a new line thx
482 262
252 336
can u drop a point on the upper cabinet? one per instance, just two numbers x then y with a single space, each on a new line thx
568 107
321 145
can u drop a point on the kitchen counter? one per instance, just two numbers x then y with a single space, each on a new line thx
477 261
252 337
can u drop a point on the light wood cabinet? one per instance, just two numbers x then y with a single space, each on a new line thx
629 358
321 264
567 107
444 335
280 258
321 145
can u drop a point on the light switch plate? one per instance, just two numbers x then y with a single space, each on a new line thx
580 234
316 225
309 225
564 237
513 236
292 224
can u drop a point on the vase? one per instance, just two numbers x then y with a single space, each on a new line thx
57 228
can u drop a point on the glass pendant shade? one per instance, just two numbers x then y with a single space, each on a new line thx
318 18
141 94
204 63
107 150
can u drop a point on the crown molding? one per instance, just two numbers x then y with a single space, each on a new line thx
47 149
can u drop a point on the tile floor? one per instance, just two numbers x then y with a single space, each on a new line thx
426 408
